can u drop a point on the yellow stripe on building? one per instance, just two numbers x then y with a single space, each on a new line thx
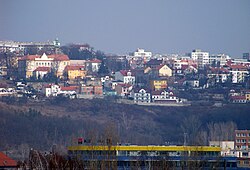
145 148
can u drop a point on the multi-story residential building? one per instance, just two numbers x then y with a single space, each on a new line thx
141 53
142 96
164 97
218 60
201 57
21 47
164 71
158 84
28 64
238 73
91 90
242 141
220 74
227 147
247 95
242 147
73 72
138 58
126 76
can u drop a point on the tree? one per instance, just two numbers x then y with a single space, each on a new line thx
103 70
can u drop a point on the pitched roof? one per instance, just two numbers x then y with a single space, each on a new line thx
154 62
59 57
220 70
125 72
74 67
69 88
238 97
238 66
42 69
124 85
95 60
6 161
56 57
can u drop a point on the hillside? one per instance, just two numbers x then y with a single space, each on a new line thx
42 124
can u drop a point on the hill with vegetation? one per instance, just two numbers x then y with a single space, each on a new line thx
61 121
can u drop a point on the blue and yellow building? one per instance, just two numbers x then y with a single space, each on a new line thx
151 157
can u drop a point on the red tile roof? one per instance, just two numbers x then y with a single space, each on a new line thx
238 97
218 70
42 69
29 57
124 85
238 66
56 57
59 57
94 61
69 88
6 161
74 67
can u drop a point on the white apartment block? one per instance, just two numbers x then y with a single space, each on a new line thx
201 57
218 59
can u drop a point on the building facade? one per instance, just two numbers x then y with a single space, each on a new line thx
28 64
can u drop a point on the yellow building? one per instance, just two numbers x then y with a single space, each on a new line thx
28 64
158 84
164 71
74 72
247 97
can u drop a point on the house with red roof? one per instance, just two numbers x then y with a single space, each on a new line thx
27 65
123 89
75 71
126 76
238 72
220 74
6 162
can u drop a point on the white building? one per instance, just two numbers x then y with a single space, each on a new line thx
142 96
227 147
51 90
201 57
140 55
126 76
218 60
164 97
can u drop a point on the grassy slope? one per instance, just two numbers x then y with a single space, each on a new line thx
134 124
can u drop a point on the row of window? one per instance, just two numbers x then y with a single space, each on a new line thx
243 134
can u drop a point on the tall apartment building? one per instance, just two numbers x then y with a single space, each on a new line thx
242 147
201 57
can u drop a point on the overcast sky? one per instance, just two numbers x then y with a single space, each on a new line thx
121 26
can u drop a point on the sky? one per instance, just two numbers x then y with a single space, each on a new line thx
122 26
